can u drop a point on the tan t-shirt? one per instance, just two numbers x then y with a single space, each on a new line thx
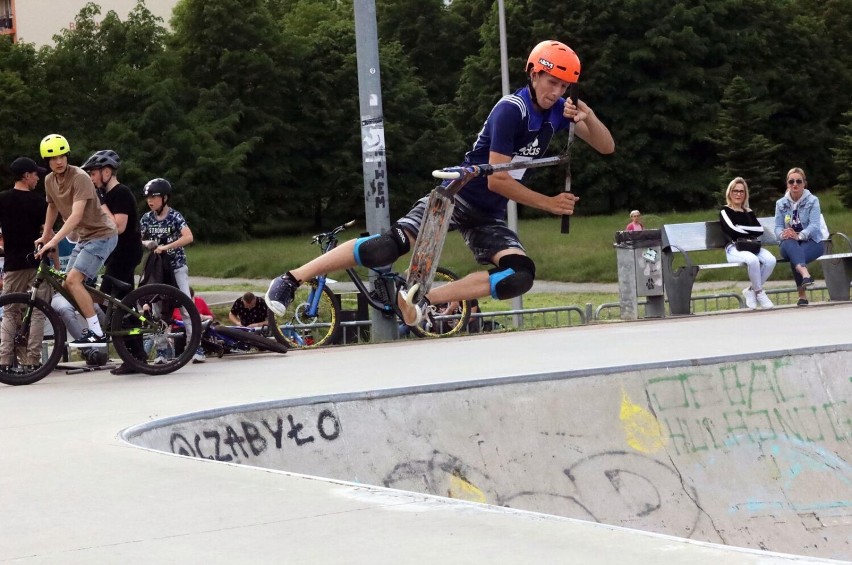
76 185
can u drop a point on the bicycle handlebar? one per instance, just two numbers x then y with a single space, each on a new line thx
483 170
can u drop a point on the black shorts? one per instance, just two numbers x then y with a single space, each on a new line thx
484 235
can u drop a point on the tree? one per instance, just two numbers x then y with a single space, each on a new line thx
744 152
843 159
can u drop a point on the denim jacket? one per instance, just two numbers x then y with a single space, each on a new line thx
809 215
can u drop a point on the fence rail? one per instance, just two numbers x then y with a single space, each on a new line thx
573 315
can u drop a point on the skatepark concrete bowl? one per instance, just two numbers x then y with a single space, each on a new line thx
750 451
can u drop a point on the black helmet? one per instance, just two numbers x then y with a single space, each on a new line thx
101 159
156 187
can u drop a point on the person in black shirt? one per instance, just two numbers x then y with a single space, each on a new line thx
743 230
249 311
22 213
119 203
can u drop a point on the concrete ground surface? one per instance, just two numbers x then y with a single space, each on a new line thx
72 491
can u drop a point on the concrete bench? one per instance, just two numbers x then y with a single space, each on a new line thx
681 239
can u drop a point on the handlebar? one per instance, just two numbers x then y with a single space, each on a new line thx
483 170
328 236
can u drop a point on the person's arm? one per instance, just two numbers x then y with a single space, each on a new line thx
505 185
589 128
71 223
49 221
184 240
813 226
203 309
234 319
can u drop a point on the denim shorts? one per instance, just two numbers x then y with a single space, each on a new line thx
89 256
484 235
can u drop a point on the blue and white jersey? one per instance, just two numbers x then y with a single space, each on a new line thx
516 129
165 231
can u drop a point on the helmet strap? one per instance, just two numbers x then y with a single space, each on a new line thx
532 91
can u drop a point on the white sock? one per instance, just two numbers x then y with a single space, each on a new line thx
94 325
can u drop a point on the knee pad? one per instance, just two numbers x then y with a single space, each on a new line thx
513 276
380 250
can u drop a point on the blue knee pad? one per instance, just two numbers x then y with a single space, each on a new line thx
379 250
513 276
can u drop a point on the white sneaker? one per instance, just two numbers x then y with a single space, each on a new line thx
763 300
411 313
750 298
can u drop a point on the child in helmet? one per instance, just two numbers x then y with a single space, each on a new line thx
164 230
519 127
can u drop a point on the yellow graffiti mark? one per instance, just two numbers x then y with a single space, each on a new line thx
462 490
642 431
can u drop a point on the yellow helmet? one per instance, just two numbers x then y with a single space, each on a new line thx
54 145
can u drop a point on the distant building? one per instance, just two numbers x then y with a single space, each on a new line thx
37 21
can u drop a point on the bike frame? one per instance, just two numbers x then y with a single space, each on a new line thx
55 278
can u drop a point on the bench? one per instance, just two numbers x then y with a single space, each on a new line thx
681 239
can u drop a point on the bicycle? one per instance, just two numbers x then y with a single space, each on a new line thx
313 318
220 340
144 314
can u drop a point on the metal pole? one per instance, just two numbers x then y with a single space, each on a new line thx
376 195
512 208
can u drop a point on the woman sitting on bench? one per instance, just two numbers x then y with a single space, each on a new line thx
740 225
798 228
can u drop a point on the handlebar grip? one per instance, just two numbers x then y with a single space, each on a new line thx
446 174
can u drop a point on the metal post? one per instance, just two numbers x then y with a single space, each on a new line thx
376 194
512 208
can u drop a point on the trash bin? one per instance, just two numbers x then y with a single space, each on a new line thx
640 273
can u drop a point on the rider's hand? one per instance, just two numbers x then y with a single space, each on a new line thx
578 111
563 203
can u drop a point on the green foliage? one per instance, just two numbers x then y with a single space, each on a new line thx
843 157
251 106
743 150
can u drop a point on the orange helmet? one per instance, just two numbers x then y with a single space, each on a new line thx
556 59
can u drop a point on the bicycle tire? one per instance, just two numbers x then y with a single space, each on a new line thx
154 326
252 338
445 325
19 372
295 331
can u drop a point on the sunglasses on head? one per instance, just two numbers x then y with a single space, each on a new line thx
795 181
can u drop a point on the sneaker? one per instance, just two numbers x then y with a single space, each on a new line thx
199 356
807 281
123 369
281 292
89 339
412 314
159 360
802 302
763 300
750 298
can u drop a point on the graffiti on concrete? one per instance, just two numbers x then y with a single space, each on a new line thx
614 487
742 404
244 440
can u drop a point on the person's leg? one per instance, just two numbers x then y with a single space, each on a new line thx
90 257
767 265
69 316
792 251
752 265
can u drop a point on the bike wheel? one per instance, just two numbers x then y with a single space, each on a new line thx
32 339
444 320
297 328
151 322
254 339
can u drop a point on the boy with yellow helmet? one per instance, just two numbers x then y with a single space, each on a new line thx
71 195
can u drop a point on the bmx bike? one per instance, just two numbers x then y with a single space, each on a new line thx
144 314
220 340
313 318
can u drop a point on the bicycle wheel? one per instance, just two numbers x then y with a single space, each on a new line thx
297 328
32 339
152 306
444 320
254 339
